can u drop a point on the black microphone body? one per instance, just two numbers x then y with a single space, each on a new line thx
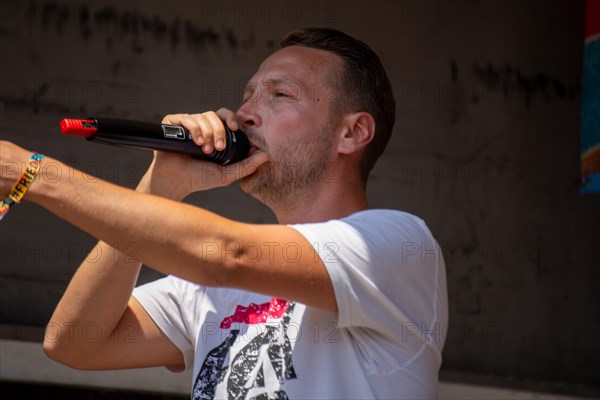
153 136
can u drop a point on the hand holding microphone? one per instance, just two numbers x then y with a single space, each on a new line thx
203 136
165 137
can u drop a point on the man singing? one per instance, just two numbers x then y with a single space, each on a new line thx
336 301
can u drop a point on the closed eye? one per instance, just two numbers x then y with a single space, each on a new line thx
281 94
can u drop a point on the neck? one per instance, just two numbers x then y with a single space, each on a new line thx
322 203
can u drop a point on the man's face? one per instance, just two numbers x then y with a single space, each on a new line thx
287 114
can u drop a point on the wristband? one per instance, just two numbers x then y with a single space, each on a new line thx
18 191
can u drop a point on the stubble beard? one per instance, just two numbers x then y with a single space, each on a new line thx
293 172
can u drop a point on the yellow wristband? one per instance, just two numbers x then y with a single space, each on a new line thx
18 191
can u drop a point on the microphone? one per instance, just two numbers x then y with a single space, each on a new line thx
153 136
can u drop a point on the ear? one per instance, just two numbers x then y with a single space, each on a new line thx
357 131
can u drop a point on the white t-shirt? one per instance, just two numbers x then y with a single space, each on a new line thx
386 340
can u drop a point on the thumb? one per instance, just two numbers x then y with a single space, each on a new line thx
245 167
251 164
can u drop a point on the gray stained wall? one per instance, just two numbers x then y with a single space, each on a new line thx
485 149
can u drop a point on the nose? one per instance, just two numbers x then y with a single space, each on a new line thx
248 114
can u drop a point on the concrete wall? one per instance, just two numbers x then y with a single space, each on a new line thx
485 150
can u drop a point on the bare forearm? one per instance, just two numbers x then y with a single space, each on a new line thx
166 235
93 303
93 310
189 242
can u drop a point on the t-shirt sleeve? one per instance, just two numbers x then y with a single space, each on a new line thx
170 303
386 270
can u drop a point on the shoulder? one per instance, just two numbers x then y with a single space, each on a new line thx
385 217
373 226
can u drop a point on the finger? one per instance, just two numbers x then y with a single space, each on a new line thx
218 130
186 121
206 133
229 117
191 124
233 172
250 164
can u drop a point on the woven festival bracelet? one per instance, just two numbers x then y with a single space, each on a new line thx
18 191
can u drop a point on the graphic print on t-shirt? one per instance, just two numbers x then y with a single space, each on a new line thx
258 369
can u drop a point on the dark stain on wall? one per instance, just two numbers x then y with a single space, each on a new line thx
507 82
510 81
135 27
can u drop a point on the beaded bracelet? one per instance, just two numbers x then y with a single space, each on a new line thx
18 191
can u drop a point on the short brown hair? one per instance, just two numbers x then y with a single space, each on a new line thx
364 84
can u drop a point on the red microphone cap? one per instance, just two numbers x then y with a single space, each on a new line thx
78 127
